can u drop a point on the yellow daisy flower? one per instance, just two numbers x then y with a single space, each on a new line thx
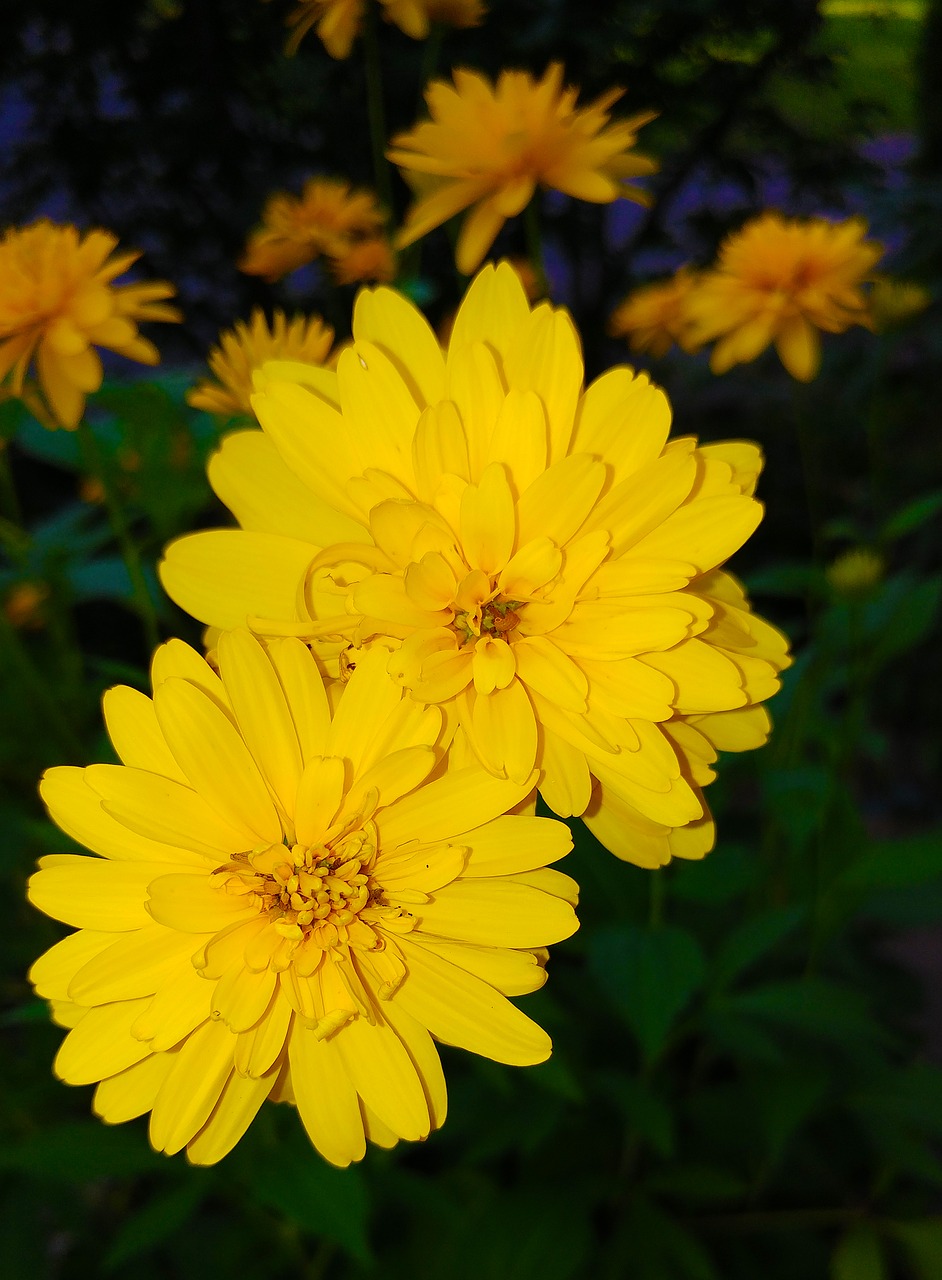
57 303
365 260
542 561
247 347
289 903
782 280
654 317
490 146
855 572
338 22
327 216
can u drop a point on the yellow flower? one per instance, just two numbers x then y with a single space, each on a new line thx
365 260
246 348
490 146
782 280
540 559
57 303
855 572
288 904
654 317
338 22
326 218
893 303
415 17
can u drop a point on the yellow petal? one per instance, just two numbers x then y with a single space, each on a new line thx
192 1088
132 1092
706 532
559 501
135 964
384 1075
55 968
196 903
460 1009
368 698
134 731
493 665
319 796
510 844
703 678
497 913
513 973
425 1057
457 802
326 1098
180 1005
438 447
542 665
566 785
258 1050
241 997
622 419
493 311
502 729
101 1044
392 322
304 690
799 348
213 755
545 357
237 1107
520 438
90 893
475 386
488 526
378 408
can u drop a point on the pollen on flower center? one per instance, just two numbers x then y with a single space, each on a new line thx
495 618
301 888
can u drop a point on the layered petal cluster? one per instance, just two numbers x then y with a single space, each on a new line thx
783 280
539 559
289 902
328 218
487 147
247 347
655 317
58 303
338 22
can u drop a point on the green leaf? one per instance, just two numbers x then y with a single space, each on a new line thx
825 1010
80 1151
922 1242
157 1220
698 1184
752 940
898 864
858 1256
901 618
911 517
326 1201
650 975
647 1114
726 873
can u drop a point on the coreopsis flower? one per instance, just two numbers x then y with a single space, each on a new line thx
655 317
247 347
782 280
326 218
338 22
487 147
371 259
289 902
58 303
541 561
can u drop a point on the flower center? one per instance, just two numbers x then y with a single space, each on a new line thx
495 618
304 887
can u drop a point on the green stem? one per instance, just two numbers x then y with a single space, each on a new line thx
430 51
531 221
20 666
94 464
382 173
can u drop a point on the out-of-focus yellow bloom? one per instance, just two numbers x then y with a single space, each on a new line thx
293 895
655 316
895 302
855 572
780 280
24 605
57 303
490 146
326 218
245 348
532 555
338 22
415 17
370 260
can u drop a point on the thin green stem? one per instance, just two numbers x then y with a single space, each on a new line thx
534 233
19 665
94 464
382 173
430 51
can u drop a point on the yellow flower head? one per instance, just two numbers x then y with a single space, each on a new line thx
490 146
289 902
338 22
247 347
782 280
371 259
325 219
654 317
57 303
540 560
855 572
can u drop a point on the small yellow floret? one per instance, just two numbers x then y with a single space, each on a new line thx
855 572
